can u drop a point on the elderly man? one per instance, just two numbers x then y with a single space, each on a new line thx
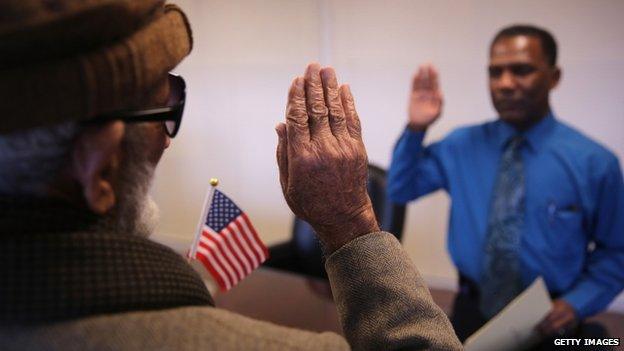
531 196
89 110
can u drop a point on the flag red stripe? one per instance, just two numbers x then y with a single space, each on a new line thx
218 241
216 264
229 239
216 254
217 277
251 237
256 236
243 234
247 232
245 248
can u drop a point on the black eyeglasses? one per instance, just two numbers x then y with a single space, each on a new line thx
170 115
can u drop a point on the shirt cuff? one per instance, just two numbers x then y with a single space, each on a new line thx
587 299
413 139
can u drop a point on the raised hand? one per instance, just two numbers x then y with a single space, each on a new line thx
425 103
322 159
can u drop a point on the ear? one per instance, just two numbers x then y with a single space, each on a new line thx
555 77
95 164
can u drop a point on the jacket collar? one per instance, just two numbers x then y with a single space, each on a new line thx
54 267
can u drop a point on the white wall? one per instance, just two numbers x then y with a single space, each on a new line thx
247 52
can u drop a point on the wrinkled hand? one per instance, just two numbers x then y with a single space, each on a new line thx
560 321
425 104
322 159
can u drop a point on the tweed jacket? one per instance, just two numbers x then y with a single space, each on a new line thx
63 287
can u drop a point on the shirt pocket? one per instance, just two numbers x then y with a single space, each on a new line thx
562 223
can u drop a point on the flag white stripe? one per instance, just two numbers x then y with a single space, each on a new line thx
232 227
257 241
225 249
238 274
229 236
219 257
251 237
217 265
208 255
204 252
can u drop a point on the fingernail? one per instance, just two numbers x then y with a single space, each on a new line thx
324 74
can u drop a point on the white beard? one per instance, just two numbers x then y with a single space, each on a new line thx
148 218
135 212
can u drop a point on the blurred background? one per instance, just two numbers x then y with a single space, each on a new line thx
246 54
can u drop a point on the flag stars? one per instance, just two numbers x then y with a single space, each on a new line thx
222 212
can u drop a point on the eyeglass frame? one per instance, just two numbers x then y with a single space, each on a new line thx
168 113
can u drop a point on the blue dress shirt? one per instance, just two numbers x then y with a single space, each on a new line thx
574 227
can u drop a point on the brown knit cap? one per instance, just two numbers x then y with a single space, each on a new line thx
63 60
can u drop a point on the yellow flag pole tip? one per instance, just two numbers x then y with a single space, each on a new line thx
214 181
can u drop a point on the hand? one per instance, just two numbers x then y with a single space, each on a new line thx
322 159
561 320
425 104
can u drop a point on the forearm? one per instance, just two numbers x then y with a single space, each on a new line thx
413 171
603 275
382 300
602 282
404 167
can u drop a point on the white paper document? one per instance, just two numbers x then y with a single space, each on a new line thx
514 327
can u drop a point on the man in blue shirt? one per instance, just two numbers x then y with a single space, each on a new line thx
531 196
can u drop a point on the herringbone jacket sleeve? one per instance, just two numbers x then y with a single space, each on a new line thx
382 301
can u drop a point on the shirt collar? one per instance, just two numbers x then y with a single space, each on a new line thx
534 136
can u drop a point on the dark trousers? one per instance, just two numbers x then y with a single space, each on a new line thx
467 319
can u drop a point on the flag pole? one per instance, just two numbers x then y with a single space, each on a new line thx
205 211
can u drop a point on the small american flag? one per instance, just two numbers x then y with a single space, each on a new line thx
229 246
